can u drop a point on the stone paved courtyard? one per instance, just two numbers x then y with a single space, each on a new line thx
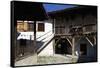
46 60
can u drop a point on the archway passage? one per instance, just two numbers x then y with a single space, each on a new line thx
62 46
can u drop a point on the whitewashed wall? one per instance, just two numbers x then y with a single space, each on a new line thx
48 50
26 35
42 37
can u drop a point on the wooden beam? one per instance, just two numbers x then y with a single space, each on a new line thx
66 35
57 41
89 41
69 41
76 35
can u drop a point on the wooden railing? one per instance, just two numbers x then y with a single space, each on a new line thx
82 29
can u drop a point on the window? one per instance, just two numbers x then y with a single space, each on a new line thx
22 26
41 27
31 26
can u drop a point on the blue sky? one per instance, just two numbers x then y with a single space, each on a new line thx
54 7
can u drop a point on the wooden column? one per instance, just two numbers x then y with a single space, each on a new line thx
34 36
54 38
53 47
73 49
73 46
54 26
34 45
94 40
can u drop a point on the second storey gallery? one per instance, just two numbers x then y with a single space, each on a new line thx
52 33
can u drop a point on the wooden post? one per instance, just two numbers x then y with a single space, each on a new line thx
73 46
53 47
54 26
54 38
94 40
69 41
73 49
34 45
30 47
34 36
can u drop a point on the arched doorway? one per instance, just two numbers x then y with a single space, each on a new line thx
62 46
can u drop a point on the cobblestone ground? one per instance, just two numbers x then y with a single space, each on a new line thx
46 60
56 59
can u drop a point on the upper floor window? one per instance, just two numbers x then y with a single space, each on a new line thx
22 26
41 27
31 26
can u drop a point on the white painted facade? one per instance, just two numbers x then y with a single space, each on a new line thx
42 37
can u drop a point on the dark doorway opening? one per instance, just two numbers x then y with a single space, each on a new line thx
22 46
62 46
83 49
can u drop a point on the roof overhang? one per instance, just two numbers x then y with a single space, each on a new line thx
33 11
71 12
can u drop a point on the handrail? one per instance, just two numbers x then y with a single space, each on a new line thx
46 37
79 28
39 36
44 34
41 48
